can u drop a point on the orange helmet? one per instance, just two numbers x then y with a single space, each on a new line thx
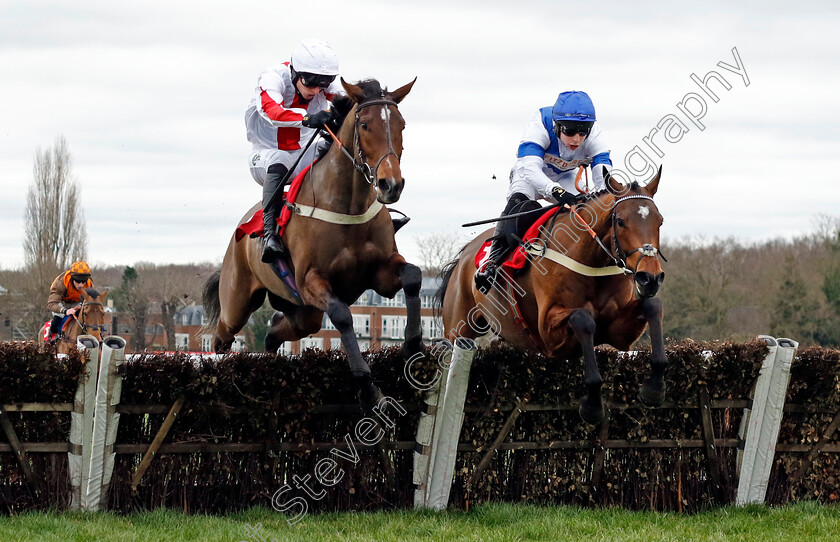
80 271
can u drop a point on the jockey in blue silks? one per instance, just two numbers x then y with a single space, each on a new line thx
557 141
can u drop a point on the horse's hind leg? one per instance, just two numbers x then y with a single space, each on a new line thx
292 324
233 317
591 408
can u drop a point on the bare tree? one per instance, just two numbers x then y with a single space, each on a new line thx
437 249
174 287
132 299
54 225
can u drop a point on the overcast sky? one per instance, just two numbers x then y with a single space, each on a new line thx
150 97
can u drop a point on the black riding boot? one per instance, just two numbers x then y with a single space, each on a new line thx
55 325
272 193
486 275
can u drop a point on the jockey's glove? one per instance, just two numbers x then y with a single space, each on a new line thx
563 197
317 120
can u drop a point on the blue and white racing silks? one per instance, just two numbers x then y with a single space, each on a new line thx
544 162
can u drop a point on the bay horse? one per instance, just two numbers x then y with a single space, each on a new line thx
575 293
341 246
89 320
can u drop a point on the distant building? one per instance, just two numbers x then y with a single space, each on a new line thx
191 338
379 322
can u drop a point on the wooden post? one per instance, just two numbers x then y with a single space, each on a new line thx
815 450
158 440
23 460
503 433
705 404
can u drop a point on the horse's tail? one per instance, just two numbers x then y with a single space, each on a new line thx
444 276
210 299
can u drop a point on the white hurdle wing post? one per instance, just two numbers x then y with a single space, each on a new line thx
81 422
427 427
760 427
450 415
105 422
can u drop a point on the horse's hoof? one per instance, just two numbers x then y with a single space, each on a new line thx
652 396
413 346
369 393
591 415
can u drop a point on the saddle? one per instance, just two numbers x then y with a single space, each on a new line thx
527 228
46 330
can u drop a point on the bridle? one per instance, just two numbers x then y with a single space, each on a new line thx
358 160
85 327
618 255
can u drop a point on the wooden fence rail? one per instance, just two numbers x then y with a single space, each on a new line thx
91 483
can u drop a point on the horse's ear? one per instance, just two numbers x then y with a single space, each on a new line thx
653 185
400 93
354 91
85 295
613 184
104 294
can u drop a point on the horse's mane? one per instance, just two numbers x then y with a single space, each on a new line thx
371 89
632 187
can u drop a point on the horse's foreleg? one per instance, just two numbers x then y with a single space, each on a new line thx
652 392
412 278
321 296
591 408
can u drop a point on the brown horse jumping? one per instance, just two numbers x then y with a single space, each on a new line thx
89 320
340 240
575 293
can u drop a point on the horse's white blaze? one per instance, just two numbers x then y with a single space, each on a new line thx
385 113
644 211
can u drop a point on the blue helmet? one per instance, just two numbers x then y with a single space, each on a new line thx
573 113
573 105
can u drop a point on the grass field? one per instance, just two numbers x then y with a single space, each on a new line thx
494 522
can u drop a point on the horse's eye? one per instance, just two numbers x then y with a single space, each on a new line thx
364 126
620 223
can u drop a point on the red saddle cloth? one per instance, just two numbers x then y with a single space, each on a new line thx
253 227
516 259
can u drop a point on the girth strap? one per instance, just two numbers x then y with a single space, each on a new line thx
337 218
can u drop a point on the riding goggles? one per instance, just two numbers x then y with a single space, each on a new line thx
572 128
312 80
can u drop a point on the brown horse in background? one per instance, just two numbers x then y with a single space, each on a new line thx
90 320
334 259
564 313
